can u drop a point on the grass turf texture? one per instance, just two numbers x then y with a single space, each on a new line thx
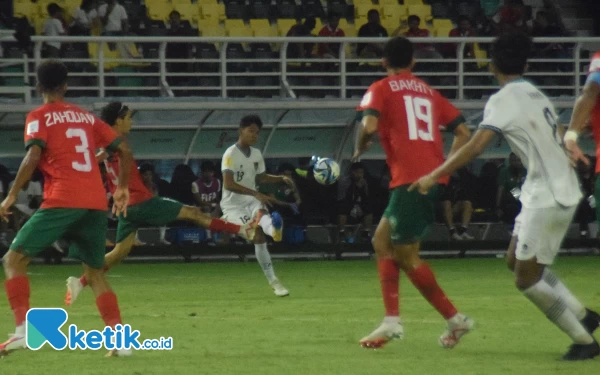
224 319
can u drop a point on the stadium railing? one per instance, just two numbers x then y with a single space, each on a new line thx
260 67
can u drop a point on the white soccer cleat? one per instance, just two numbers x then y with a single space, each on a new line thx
120 353
467 237
456 237
279 289
74 287
451 337
15 342
382 335
164 242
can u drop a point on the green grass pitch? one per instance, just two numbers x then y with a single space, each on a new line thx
224 319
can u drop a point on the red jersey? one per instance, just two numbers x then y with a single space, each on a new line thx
410 115
595 117
138 192
69 136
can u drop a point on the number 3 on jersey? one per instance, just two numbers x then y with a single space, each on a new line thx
418 109
83 148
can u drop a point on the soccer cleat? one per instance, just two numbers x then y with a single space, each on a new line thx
15 342
382 335
591 321
456 237
467 237
56 245
119 353
451 337
581 352
74 287
164 242
279 289
277 221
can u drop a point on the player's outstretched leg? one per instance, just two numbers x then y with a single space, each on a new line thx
106 302
17 290
389 276
530 281
195 215
115 256
422 277
264 259
272 225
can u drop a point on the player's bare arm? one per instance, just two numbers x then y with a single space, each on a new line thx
368 128
28 166
121 196
101 156
462 134
584 106
462 157
231 185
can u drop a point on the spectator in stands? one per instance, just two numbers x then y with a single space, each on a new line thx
457 200
423 50
85 18
177 50
331 50
114 18
207 192
485 25
182 179
372 29
512 16
149 178
543 28
463 29
301 50
354 201
53 26
510 180
553 13
23 33
28 202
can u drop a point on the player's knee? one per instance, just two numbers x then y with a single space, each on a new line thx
259 236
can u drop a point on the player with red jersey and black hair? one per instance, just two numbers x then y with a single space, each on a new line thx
60 140
587 112
407 113
145 209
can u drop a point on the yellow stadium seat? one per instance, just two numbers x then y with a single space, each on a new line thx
207 1
239 32
423 11
210 30
442 32
442 23
284 25
413 2
188 11
349 30
181 2
480 54
389 2
318 26
234 24
23 9
213 10
265 32
160 11
361 10
257 24
395 13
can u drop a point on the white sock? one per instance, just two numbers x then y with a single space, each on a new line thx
20 331
391 320
456 319
264 259
267 225
163 233
561 290
550 303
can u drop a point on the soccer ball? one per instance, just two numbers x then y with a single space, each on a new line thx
326 171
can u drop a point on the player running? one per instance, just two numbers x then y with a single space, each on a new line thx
587 108
144 208
550 195
243 166
60 139
407 113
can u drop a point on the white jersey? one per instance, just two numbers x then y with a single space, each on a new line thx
527 120
245 168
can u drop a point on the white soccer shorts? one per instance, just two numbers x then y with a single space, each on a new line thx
243 214
540 232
